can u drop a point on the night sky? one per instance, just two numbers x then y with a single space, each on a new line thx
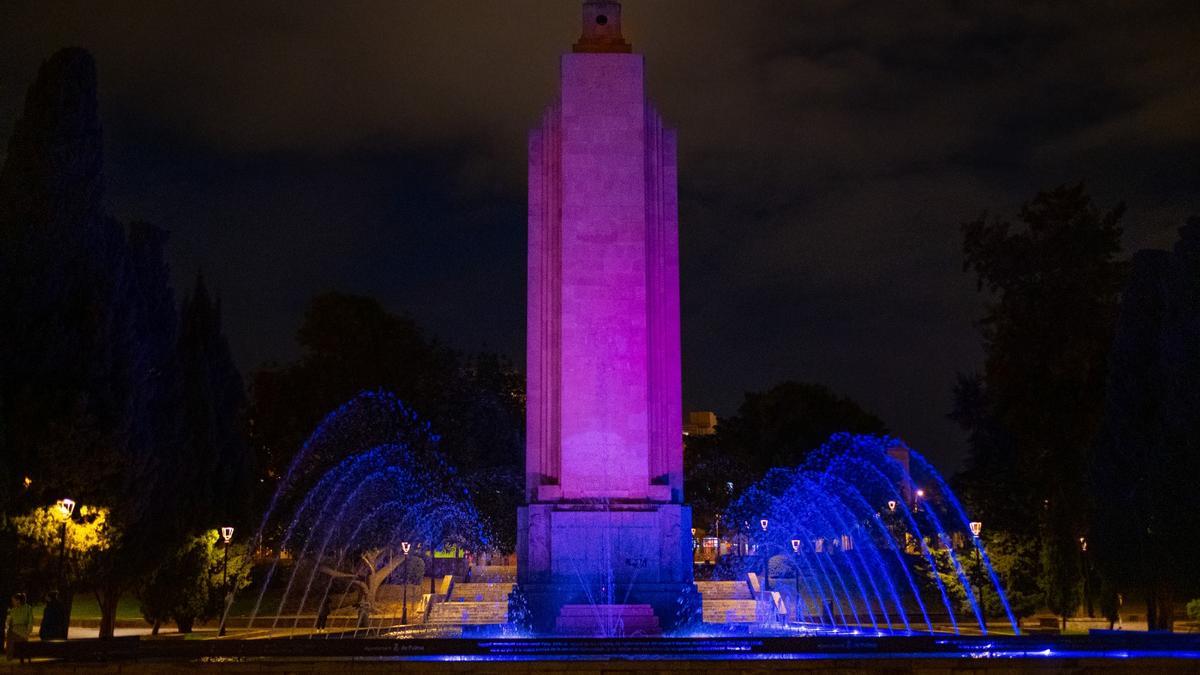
829 151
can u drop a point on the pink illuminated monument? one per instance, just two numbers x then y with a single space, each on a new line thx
605 524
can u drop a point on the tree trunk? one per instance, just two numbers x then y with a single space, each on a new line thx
1166 608
155 627
107 596
184 623
67 597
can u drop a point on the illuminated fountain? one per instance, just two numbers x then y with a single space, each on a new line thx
870 537
365 495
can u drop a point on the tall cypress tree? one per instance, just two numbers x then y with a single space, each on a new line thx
87 363
214 403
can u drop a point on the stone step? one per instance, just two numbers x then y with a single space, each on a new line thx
482 592
493 573
729 611
724 589
605 610
469 613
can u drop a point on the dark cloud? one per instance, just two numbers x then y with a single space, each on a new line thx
829 150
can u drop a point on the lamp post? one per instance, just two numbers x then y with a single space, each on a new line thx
796 571
405 547
226 537
717 557
766 558
976 528
65 508
1087 576
431 570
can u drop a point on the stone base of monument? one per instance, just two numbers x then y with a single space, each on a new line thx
549 609
604 553
607 621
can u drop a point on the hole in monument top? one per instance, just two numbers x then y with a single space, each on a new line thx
601 19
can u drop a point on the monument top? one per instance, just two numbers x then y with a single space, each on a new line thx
602 29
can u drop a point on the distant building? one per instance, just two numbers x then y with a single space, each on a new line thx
703 423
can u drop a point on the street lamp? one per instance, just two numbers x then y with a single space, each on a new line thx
766 558
65 508
717 526
1087 575
892 505
976 528
226 537
431 561
796 571
405 547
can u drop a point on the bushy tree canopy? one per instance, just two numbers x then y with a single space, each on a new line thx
1053 279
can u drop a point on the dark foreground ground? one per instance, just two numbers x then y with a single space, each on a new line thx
812 666
1101 652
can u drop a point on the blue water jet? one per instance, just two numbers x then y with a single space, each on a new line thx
866 510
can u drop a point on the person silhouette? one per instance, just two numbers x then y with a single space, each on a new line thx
20 625
54 619
323 614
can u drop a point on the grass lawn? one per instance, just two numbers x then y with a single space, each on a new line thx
84 606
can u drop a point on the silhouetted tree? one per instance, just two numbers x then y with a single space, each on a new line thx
778 427
474 405
712 476
213 396
1034 412
350 344
89 320
774 428
191 582
90 377
1146 535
